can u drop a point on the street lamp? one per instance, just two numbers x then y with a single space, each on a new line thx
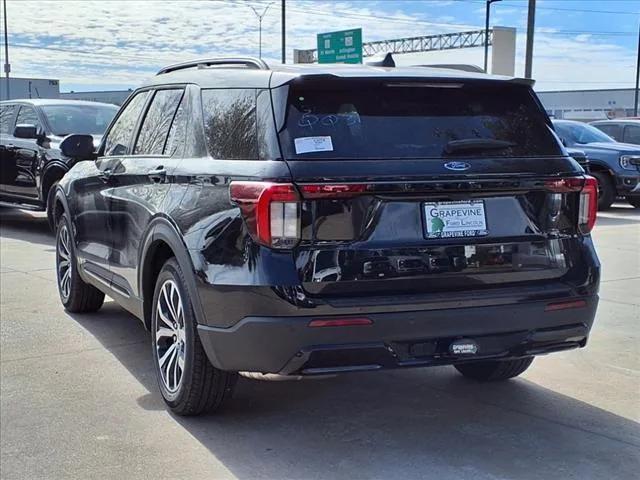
486 34
260 17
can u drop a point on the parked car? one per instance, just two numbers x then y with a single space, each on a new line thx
615 165
306 220
31 131
580 157
624 130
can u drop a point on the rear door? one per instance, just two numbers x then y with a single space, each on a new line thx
8 168
141 179
424 187
23 163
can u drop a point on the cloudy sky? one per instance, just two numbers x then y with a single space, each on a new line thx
102 44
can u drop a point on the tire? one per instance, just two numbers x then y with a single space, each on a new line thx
76 295
606 190
634 201
51 197
492 371
196 386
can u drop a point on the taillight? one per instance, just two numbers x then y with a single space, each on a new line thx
271 210
588 205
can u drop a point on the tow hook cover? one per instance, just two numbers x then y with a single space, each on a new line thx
463 346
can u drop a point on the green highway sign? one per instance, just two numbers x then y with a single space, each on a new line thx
340 47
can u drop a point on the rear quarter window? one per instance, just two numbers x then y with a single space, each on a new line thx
230 123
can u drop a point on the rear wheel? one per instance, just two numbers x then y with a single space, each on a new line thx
634 201
189 384
51 202
76 295
606 190
490 371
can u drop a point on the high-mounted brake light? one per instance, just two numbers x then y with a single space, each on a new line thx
271 210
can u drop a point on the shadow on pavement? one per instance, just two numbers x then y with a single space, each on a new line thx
25 225
421 423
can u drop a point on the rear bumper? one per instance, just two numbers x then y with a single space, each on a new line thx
287 345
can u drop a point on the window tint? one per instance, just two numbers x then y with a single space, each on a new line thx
178 132
6 118
157 122
344 119
27 116
614 131
120 136
230 123
84 119
632 134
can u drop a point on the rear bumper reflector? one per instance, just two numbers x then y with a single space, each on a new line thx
340 322
552 307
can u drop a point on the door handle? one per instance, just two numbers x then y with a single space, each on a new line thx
159 175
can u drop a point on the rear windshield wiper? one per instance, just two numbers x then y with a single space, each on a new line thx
467 144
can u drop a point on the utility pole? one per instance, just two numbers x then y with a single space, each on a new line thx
635 100
260 17
7 65
486 35
531 25
284 35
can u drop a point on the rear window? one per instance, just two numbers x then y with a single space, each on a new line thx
343 119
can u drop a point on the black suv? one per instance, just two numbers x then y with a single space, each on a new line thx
31 134
306 220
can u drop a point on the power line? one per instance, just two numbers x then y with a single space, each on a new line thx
560 9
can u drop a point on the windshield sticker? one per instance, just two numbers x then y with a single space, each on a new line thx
313 144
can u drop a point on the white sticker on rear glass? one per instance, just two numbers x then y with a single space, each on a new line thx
313 144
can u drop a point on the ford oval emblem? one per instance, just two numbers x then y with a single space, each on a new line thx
457 166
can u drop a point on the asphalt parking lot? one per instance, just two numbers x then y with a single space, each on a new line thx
79 398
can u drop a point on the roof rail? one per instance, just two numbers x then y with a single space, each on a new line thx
248 62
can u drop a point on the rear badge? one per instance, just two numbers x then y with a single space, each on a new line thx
457 166
464 346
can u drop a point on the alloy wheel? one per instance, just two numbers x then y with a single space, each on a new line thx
170 341
64 262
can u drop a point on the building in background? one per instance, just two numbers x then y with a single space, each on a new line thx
29 88
589 105
116 97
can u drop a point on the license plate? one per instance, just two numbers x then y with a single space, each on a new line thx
455 219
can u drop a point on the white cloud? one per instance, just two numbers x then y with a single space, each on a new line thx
118 42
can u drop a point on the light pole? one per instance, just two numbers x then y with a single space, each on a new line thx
531 27
260 17
7 65
486 34
635 97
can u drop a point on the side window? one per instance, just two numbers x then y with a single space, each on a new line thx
156 124
614 131
6 119
632 134
27 116
120 137
178 132
230 123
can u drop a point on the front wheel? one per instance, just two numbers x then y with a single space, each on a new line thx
494 370
189 384
634 201
606 190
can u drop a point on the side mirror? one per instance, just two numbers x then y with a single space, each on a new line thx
78 146
25 130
